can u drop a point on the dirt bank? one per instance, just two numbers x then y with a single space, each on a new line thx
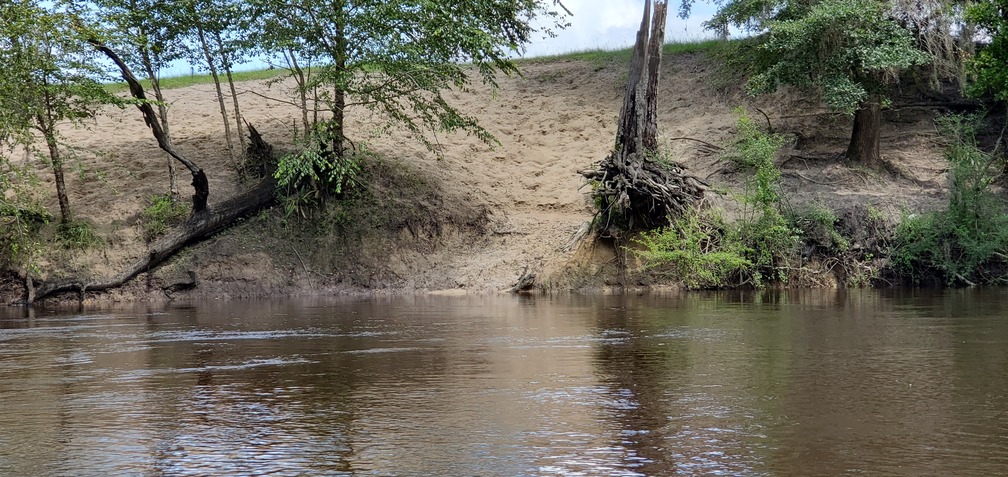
475 217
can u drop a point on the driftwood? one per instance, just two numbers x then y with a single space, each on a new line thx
633 188
198 227
525 282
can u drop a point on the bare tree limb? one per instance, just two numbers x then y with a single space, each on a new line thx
200 184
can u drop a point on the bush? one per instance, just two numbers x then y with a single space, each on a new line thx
967 243
308 177
163 211
762 228
698 250
707 252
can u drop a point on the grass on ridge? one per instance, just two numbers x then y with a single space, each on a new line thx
600 55
190 80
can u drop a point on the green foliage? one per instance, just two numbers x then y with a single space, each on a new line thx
845 50
762 227
78 234
21 218
990 65
706 251
817 224
49 77
314 173
963 243
768 235
162 212
697 249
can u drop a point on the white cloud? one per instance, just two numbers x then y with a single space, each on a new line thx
610 24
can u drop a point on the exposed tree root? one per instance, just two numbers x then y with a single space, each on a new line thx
525 282
639 193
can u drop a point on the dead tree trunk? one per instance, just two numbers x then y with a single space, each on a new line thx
200 184
632 188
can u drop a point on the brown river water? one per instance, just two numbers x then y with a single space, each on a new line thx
908 382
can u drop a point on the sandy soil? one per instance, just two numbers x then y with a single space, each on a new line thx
555 120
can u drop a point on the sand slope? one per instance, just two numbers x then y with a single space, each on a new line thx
555 120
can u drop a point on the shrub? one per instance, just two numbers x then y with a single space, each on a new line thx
967 242
707 252
762 228
698 250
308 177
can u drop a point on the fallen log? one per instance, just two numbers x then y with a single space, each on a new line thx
198 227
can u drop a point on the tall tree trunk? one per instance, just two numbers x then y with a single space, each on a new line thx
57 167
649 138
339 96
637 130
226 61
633 190
148 65
217 85
864 143
299 78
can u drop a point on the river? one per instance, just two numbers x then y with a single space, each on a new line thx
901 382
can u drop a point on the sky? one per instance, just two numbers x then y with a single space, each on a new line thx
612 24
595 24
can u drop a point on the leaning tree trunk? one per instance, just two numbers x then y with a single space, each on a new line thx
631 187
864 143
200 184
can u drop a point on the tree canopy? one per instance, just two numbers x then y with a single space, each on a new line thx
48 77
990 65
395 58
846 51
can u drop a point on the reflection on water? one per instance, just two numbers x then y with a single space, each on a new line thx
813 383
